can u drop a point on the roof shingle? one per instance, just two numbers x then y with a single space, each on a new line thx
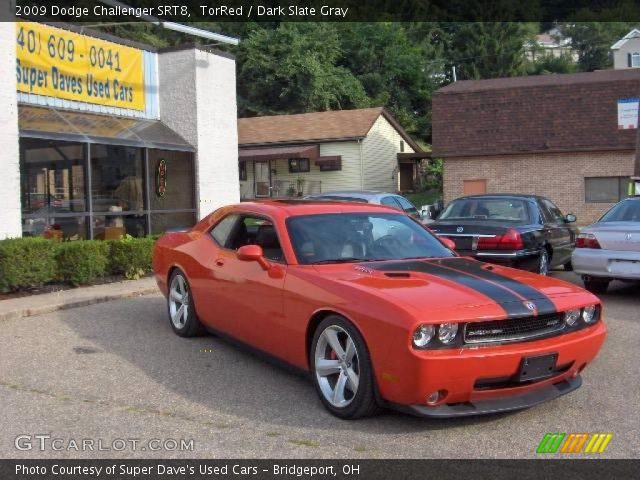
307 127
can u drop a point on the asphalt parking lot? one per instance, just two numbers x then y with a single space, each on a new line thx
115 371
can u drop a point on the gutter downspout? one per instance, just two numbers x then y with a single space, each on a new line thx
361 165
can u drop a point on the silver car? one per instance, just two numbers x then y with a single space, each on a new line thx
610 248
370 196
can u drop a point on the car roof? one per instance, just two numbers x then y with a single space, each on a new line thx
292 208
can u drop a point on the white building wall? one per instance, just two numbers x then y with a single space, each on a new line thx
198 101
620 55
10 219
346 179
217 115
380 149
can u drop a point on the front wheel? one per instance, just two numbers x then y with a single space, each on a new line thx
182 312
596 285
543 262
342 370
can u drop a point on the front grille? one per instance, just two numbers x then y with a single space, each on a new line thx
513 329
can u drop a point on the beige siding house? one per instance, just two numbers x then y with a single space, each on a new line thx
297 155
626 51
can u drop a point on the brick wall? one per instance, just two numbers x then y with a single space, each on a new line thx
559 177
10 222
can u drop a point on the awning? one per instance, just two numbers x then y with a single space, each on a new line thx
413 156
276 153
53 124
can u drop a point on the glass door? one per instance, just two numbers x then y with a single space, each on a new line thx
262 174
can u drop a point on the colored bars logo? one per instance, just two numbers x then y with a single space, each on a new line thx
574 443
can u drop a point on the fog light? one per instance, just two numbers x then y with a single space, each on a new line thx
423 335
589 314
436 397
447 332
571 317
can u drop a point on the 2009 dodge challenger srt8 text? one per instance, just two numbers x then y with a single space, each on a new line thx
378 309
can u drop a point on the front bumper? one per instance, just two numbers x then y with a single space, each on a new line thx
496 405
483 379
624 265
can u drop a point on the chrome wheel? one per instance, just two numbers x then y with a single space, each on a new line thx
179 298
543 267
337 366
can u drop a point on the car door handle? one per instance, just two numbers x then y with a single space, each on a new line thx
220 262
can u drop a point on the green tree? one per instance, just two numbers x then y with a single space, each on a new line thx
592 41
398 66
487 49
295 68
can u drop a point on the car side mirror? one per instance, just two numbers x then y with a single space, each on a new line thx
570 218
253 253
450 244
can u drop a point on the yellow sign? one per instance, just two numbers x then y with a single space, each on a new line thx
63 64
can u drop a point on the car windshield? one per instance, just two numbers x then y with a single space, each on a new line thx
361 237
496 209
626 211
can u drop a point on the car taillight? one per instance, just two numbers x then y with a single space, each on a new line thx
587 240
510 240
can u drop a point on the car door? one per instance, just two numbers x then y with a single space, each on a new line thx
390 201
248 300
560 235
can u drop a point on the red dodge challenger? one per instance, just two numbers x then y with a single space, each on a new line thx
377 309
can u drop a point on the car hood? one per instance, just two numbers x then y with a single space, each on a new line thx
456 285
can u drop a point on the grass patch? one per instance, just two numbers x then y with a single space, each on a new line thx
423 198
304 443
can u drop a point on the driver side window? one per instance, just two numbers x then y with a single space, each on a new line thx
253 230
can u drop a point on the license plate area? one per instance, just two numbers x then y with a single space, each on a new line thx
535 368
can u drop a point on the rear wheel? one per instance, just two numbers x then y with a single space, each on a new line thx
342 370
568 266
594 285
182 312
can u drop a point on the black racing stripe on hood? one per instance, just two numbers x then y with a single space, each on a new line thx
543 304
511 303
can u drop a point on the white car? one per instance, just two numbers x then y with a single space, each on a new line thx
610 248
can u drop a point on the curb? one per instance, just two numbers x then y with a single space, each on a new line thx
66 305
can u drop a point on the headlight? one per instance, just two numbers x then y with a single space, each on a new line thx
571 316
423 335
447 332
589 314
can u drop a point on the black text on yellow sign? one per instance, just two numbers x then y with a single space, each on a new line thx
62 64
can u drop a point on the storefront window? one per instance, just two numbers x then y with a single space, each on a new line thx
171 180
164 222
112 227
53 188
117 178
124 201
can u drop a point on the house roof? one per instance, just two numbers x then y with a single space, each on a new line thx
336 125
545 113
635 33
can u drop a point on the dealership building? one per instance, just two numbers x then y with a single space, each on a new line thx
571 138
102 136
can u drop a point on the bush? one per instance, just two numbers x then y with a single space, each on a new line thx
83 261
26 262
131 256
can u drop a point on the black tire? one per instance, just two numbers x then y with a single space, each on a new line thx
568 267
542 265
598 286
363 402
189 326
